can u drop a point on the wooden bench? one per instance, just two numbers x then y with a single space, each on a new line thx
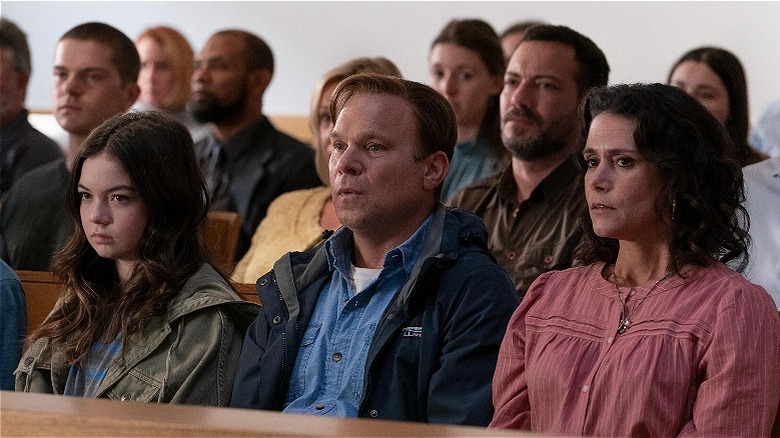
293 125
30 414
246 291
220 235
296 126
41 291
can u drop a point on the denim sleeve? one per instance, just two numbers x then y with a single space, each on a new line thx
13 329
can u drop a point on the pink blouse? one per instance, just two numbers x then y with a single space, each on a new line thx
701 357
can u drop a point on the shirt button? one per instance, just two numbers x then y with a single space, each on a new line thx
374 413
319 407
125 397
511 255
336 357
277 319
585 388
632 292
263 282
610 339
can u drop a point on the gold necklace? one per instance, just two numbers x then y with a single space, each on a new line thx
624 323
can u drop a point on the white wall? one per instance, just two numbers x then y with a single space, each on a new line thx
641 39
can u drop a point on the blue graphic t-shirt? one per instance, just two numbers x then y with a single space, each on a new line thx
84 379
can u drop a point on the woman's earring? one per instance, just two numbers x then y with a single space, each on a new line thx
674 209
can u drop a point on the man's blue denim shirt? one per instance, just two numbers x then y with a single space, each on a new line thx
328 375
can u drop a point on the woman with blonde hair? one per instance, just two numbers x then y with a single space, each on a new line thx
165 75
296 220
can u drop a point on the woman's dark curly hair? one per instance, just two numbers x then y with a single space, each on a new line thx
701 192
157 154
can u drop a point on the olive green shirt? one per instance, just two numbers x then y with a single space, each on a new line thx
535 236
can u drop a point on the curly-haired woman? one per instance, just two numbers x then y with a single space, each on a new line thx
654 336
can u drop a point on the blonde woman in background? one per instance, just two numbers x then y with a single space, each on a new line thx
297 220
165 75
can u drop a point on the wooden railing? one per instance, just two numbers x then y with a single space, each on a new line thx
55 415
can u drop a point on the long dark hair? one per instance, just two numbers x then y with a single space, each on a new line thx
701 192
479 37
728 68
157 154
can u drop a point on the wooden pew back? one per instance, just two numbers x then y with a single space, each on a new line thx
31 414
246 291
220 234
293 125
41 291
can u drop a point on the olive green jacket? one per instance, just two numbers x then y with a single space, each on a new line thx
191 358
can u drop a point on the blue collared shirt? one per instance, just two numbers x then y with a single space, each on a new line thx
328 375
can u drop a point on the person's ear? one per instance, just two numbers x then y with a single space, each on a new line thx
496 85
437 166
259 79
132 91
24 79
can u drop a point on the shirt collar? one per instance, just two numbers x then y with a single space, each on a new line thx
246 137
554 184
338 249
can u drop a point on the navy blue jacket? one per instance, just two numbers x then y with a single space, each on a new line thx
457 294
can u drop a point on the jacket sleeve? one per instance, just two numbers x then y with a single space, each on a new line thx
739 393
13 327
510 385
247 382
34 371
41 369
202 375
35 380
460 390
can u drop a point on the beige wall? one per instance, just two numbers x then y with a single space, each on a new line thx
641 39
